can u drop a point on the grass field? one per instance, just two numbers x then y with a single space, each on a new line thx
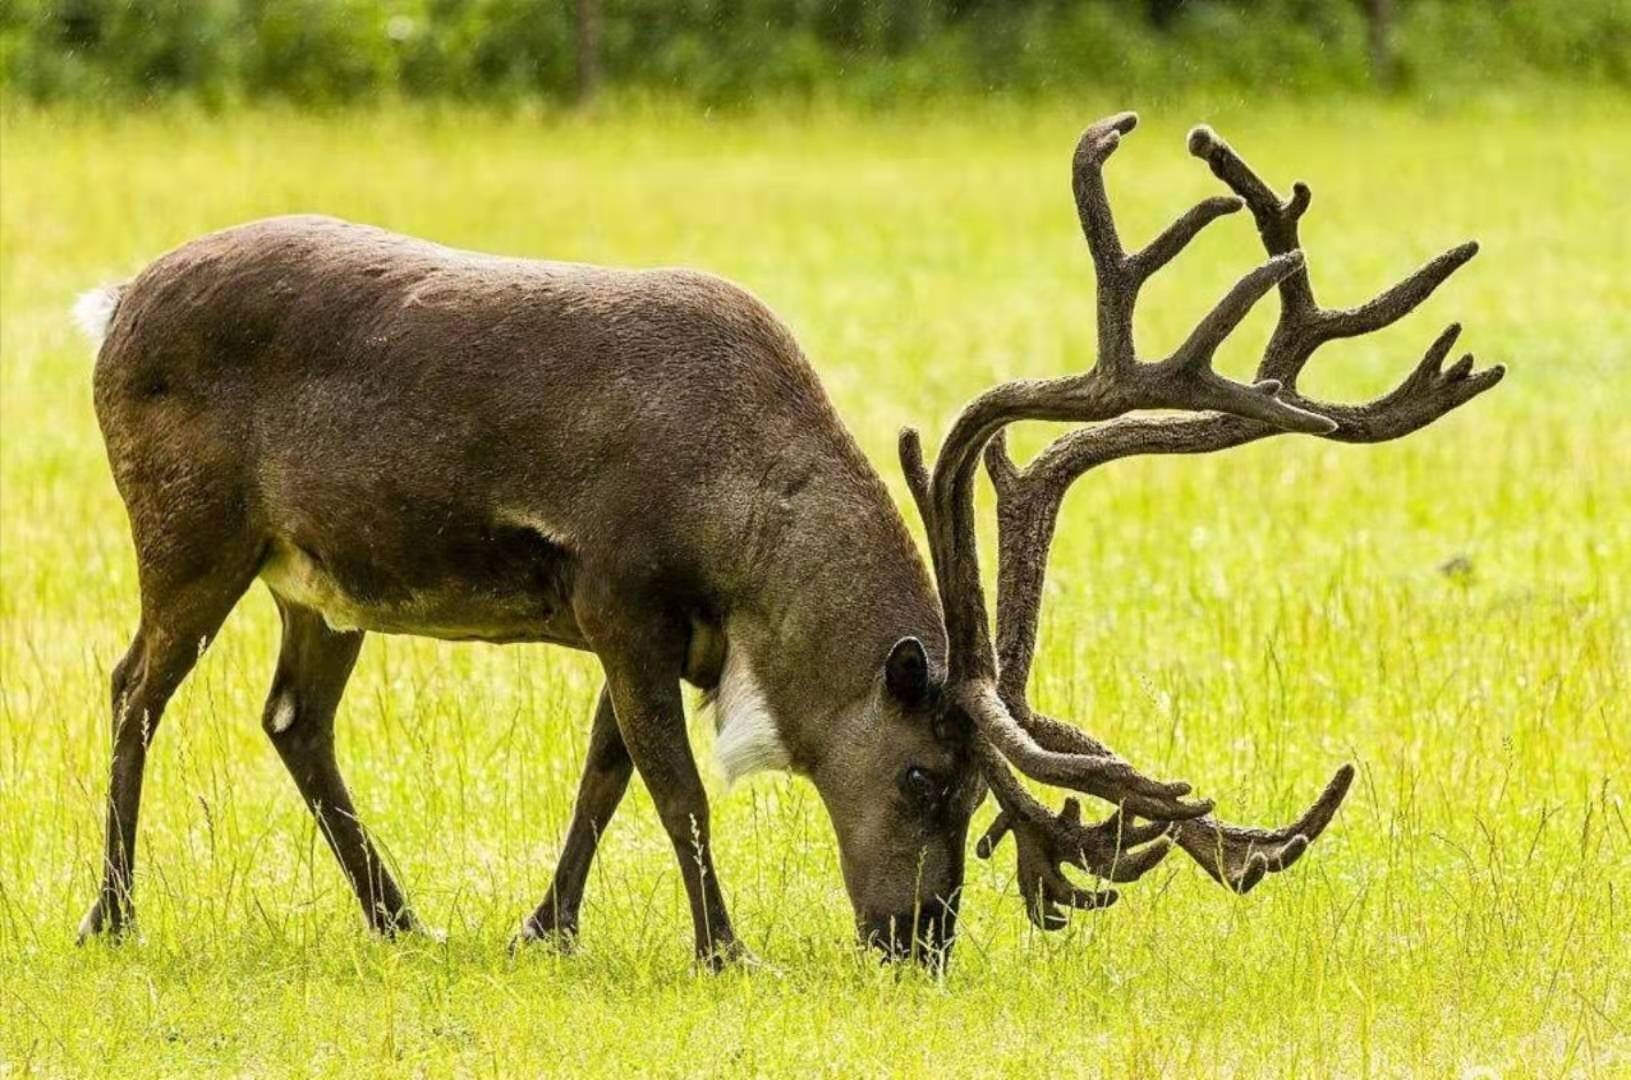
1245 621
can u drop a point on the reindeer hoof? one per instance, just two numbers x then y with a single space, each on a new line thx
104 920
91 925
720 955
431 935
563 935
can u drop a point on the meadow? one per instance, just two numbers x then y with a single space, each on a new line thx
1449 612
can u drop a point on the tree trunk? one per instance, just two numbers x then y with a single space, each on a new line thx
1163 12
1379 14
588 43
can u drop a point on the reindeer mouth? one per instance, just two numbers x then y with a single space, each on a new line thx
923 936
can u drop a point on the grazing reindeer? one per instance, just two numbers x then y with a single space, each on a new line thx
400 438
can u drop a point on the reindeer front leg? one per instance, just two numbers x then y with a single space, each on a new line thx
643 656
606 774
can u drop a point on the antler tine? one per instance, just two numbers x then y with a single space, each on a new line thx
1426 394
1116 849
1276 219
1400 300
1165 247
1238 856
1115 299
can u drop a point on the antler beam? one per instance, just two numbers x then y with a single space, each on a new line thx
990 684
1028 501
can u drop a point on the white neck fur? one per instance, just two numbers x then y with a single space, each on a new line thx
748 740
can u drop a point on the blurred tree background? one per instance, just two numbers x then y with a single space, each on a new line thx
718 52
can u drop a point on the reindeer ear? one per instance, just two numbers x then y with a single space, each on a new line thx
906 672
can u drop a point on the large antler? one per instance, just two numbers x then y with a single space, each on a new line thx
991 685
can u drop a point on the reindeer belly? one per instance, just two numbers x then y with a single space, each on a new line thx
513 591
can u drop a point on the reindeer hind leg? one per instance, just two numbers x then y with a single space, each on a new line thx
182 608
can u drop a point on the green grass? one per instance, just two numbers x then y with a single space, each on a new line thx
1245 621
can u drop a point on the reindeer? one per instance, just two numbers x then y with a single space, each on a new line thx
400 438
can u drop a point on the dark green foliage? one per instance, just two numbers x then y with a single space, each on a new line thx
721 51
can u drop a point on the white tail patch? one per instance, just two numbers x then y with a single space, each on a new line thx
93 311
748 741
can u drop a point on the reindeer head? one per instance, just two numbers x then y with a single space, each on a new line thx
979 702
900 784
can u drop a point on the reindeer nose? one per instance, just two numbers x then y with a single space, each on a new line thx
924 935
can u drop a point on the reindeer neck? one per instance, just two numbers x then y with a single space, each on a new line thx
834 581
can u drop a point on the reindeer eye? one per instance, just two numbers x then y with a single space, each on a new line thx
920 786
